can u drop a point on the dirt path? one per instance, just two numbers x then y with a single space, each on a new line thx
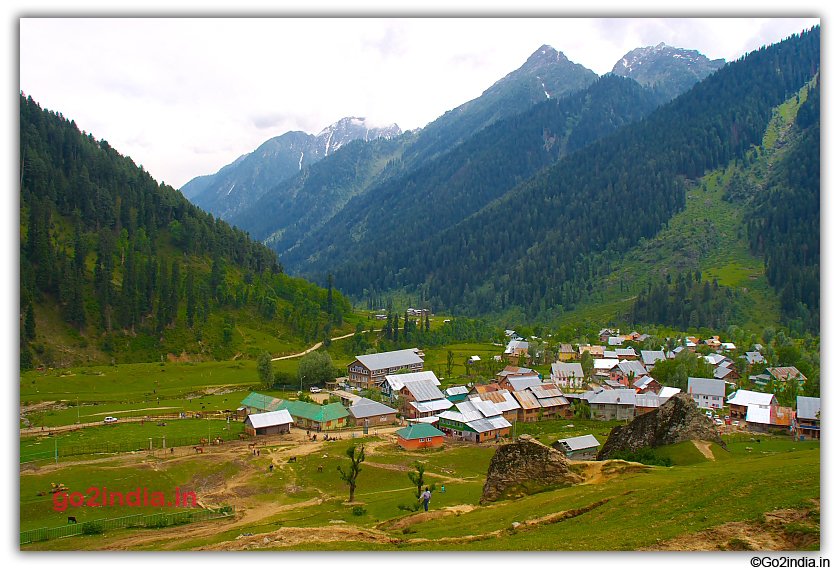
317 346
705 448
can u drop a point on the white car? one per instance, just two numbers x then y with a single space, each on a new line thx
315 390
110 420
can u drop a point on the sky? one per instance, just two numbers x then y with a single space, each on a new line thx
186 96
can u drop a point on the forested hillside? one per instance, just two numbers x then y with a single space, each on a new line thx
116 267
548 241
784 224
408 210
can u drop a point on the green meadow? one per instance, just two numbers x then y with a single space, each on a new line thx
635 509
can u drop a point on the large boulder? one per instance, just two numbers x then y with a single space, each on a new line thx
678 419
523 467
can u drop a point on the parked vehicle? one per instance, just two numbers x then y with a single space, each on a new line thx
110 420
315 390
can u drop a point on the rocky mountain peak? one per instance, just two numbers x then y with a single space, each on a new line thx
349 129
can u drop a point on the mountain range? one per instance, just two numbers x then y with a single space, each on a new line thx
245 180
546 74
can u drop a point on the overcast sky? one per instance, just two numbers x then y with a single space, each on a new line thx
184 97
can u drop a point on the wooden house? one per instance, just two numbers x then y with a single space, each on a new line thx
419 436
269 423
369 370
581 448
807 420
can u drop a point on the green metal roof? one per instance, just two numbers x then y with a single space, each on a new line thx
262 402
419 430
314 412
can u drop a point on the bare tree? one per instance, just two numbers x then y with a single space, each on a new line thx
356 460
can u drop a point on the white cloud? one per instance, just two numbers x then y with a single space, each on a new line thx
187 96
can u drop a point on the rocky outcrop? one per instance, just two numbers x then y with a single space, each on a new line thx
523 467
678 419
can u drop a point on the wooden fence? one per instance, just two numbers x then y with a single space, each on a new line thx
158 520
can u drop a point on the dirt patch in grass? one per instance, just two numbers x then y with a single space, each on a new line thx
418 518
780 530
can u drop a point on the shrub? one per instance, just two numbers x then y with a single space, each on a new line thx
359 510
92 528
646 456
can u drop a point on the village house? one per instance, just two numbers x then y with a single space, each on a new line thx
511 371
647 402
552 401
651 357
419 436
456 393
740 401
807 417
595 351
581 448
567 374
626 353
369 370
315 417
269 423
504 401
754 358
766 418
726 372
647 384
516 349
366 412
708 393
781 374
607 333
423 399
394 382
529 406
476 420
565 352
255 403
612 404
627 370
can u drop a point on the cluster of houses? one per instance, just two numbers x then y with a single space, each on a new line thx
619 388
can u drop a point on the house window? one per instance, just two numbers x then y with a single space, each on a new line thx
383 418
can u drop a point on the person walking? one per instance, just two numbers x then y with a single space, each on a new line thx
426 496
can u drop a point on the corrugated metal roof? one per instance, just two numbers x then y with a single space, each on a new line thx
807 408
485 425
706 386
524 382
624 396
551 402
747 397
580 442
541 392
667 391
397 381
605 363
315 412
632 367
385 360
758 414
366 408
503 399
269 419
648 400
423 391
432 405
567 369
526 399
456 390
650 357
489 409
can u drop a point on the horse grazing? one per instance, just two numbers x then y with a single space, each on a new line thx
241 436
71 520
199 449
293 459
252 445
320 469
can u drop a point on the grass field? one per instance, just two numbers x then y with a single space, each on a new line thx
630 511
128 433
